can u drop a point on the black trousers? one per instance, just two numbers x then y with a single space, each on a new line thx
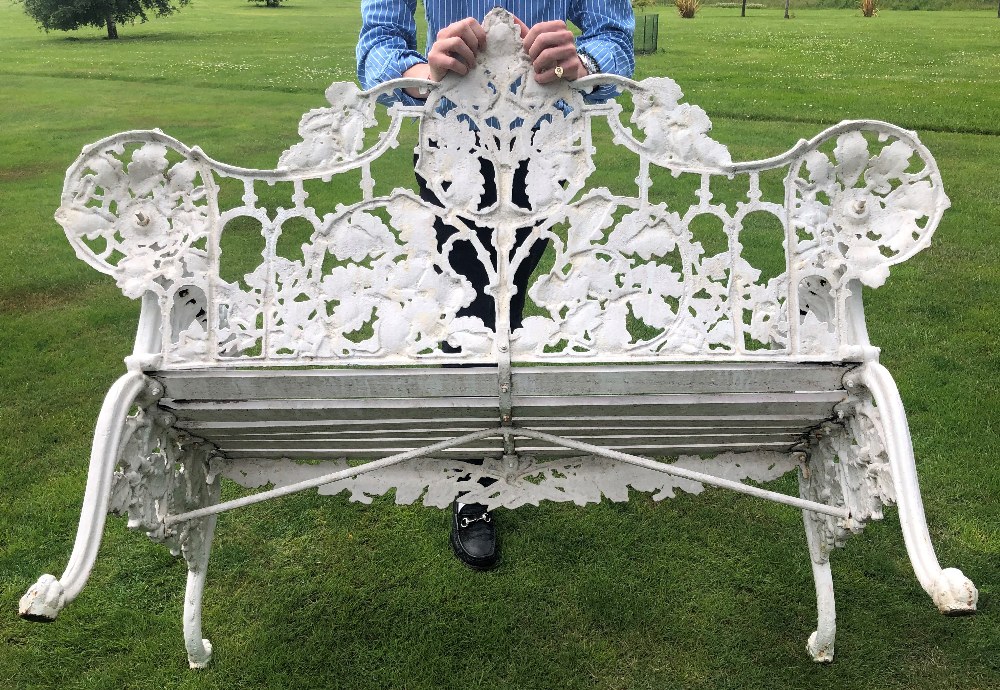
465 261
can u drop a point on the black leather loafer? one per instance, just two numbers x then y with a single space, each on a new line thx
474 536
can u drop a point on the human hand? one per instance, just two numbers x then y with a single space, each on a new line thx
551 45
455 48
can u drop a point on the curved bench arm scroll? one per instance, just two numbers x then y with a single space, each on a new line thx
139 206
863 205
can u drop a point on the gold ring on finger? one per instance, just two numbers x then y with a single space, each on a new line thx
559 71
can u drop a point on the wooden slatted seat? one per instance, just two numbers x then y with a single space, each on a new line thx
672 409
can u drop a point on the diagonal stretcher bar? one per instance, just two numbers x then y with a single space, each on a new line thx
507 433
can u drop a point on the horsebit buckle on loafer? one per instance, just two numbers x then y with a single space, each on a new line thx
465 522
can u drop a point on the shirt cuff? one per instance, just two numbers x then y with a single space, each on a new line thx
398 95
604 59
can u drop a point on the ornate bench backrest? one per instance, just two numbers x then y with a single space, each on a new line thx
631 276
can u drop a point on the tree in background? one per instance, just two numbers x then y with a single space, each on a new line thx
64 15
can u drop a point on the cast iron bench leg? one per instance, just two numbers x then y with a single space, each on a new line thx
47 597
953 593
199 649
821 642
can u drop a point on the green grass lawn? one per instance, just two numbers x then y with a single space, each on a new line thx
710 591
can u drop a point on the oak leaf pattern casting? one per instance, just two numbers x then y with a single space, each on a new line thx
630 275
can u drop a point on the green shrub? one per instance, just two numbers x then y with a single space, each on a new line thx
687 8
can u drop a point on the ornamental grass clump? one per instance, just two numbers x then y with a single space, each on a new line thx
869 8
687 8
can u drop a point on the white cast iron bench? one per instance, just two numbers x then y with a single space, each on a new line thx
650 358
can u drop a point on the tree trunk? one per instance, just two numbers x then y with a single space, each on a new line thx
786 8
112 28
743 12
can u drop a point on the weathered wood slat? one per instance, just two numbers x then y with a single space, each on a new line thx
815 412
763 377
676 379
819 404
528 448
418 440
470 424
576 431
362 410
272 384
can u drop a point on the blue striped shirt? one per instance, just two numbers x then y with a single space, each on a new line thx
387 46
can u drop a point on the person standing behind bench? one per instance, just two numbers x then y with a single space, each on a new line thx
387 49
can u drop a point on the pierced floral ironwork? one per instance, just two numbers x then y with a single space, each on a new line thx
587 479
162 471
849 467
631 275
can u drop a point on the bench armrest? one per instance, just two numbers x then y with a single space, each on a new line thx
860 197
859 204
140 206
